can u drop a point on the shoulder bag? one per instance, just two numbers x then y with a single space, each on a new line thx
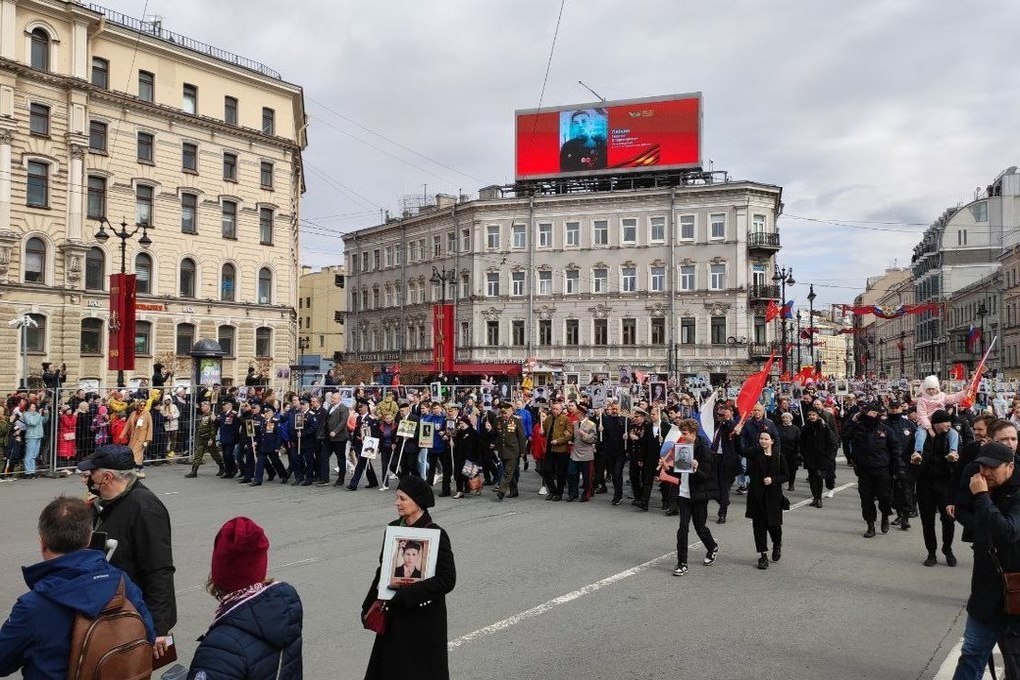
1010 586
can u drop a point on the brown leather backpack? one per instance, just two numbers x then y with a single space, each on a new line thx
112 646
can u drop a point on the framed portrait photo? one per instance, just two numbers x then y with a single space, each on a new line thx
409 555
407 428
683 457
426 431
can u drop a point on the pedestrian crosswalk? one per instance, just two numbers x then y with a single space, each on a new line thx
948 666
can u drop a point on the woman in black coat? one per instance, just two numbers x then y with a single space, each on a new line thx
818 444
767 471
465 448
414 643
789 439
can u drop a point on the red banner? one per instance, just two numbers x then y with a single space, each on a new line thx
442 338
121 353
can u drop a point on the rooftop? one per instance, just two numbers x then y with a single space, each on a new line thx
154 29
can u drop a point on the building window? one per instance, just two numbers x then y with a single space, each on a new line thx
190 104
101 73
376 259
545 283
465 240
517 284
39 120
40 52
437 246
758 223
228 282
229 220
230 110
717 276
146 86
143 338
38 185
687 277
687 227
758 275
143 204
266 226
96 204
572 234
225 336
266 288
91 341
465 334
492 237
658 330
601 337
545 332
189 157
520 236
658 279
545 235
268 121
629 228
572 282
628 279
36 335
185 338
146 142
230 167
187 287
600 233
657 229
189 213
35 260
263 341
718 222
718 330
143 274
97 136
600 280
628 335
573 338
517 333
266 174
95 269
687 331
492 333
760 333
492 284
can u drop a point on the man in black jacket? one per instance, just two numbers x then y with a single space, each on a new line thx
128 512
727 449
612 429
903 486
875 455
992 518
933 470
644 458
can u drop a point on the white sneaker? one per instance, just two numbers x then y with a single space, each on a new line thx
384 487
830 493
391 477
543 491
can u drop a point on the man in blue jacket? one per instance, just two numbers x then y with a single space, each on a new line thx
36 638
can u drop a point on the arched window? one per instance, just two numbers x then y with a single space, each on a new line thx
263 341
37 334
185 338
143 273
95 269
187 287
265 286
40 56
225 337
228 282
35 260
91 336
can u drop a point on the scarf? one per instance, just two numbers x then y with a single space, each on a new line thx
232 600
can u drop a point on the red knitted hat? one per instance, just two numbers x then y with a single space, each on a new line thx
240 555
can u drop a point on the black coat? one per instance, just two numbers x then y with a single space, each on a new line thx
818 443
765 501
875 446
414 644
702 482
789 437
935 472
731 448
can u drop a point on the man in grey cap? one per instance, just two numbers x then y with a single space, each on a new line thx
128 512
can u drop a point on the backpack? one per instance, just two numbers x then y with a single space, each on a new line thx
112 646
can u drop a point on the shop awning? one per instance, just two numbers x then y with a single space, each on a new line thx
510 370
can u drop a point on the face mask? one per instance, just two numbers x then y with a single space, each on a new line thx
867 420
91 486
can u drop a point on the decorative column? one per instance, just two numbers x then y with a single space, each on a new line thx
6 137
74 193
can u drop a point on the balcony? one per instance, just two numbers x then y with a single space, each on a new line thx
762 291
758 351
765 242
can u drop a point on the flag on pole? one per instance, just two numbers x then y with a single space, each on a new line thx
787 310
706 414
975 382
973 337
750 391
771 311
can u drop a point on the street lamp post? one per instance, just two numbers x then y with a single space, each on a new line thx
302 344
982 312
811 321
102 236
784 277
903 371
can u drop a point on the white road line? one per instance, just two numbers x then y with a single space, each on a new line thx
581 592
948 666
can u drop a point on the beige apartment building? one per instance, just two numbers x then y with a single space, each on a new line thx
322 304
106 117
891 289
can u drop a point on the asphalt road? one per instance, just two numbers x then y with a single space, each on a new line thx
558 590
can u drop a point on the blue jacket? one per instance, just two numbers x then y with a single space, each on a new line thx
37 636
254 639
34 422
438 443
525 416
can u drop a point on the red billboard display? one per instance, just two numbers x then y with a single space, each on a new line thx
608 138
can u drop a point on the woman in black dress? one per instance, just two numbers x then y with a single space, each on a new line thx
767 470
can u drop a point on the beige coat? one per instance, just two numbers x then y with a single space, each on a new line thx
139 427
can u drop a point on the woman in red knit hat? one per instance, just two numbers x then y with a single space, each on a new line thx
256 632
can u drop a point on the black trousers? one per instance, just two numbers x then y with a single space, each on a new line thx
600 469
818 480
874 484
554 473
763 531
272 459
724 480
698 512
904 496
445 459
791 468
614 469
649 471
635 478
932 499
328 450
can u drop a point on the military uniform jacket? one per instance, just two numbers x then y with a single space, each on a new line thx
511 441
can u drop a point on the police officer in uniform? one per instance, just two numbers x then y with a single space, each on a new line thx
205 441
875 455
903 485
511 444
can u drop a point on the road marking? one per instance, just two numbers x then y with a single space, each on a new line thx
538 610
169 493
307 560
948 667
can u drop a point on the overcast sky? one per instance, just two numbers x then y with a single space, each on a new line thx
878 115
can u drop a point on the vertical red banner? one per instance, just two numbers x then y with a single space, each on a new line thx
442 338
113 356
121 353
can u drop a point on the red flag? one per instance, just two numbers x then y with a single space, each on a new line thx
752 388
975 382
957 372
805 374
771 311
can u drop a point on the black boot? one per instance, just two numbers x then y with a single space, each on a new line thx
905 524
193 473
899 518
763 561
931 561
870 533
722 517
777 552
885 523
950 558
